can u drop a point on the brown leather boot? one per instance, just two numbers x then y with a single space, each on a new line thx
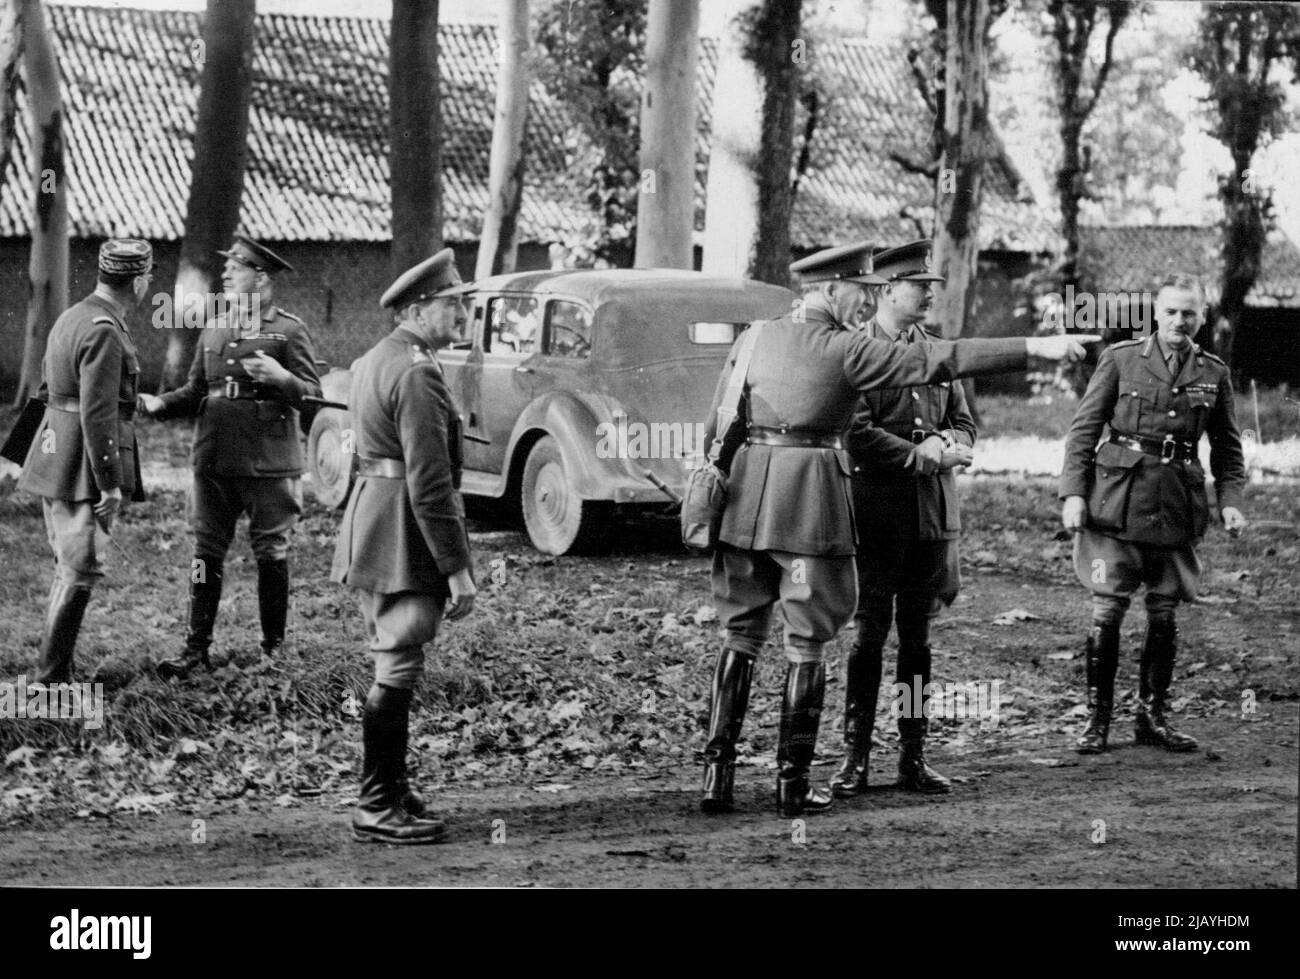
1100 664
205 599
732 674
1151 724
914 774
861 688
62 624
381 815
273 604
801 711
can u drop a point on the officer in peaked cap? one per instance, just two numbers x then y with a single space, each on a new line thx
402 543
252 368
905 442
83 459
1137 503
805 375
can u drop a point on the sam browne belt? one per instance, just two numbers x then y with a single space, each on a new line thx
1167 450
795 438
382 468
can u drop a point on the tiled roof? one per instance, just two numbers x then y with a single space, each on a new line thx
317 163
1132 258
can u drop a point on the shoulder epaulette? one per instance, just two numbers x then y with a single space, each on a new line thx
288 315
105 319
1125 343
1214 357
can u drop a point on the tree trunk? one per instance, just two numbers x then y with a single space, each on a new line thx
960 188
666 205
47 272
498 244
415 131
11 49
747 232
217 173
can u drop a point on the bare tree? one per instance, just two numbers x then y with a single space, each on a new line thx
747 229
498 244
666 205
1238 46
965 148
415 131
225 57
47 270
1074 23
11 49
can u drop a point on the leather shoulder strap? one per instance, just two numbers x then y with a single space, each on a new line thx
730 403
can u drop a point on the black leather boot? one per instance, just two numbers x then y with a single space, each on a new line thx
381 815
914 774
1151 724
1102 659
62 624
861 688
801 711
205 598
273 603
732 675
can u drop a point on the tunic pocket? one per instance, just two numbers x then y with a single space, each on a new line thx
1112 482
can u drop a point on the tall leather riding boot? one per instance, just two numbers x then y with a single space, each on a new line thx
1100 664
62 623
1151 724
801 711
272 603
914 773
732 674
381 816
861 689
205 598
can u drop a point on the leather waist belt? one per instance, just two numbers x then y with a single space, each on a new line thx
236 391
383 468
60 402
1167 450
794 438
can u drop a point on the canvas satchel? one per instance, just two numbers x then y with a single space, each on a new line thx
706 488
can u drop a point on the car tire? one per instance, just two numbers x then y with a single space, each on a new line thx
333 471
558 520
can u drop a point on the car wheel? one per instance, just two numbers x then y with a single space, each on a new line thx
332 469
558 520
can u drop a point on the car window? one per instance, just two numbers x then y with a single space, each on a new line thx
569 329
716 332
513 323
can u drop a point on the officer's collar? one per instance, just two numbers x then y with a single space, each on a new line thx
109 303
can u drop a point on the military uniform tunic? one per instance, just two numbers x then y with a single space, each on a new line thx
247 453
403 533
790 503
907 523
1145 515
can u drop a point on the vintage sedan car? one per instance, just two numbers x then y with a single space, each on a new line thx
580 391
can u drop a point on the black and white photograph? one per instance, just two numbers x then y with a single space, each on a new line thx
651 444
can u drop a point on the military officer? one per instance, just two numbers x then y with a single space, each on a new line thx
83 459
787 532
1137 502
402 543
905 443
253 366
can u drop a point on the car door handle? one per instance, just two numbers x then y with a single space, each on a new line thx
521 369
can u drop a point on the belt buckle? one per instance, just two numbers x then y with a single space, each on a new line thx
1168 449
919 435
232 388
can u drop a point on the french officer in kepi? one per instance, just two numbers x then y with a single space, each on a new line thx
905 443
252 367
787 532
402 542
1137 501
83 459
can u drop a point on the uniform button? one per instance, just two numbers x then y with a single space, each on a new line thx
1134 394
857 469
915 396
1176 390
230 361
233 343
918 421
1172 413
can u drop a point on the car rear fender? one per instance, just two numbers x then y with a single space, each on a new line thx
574 421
